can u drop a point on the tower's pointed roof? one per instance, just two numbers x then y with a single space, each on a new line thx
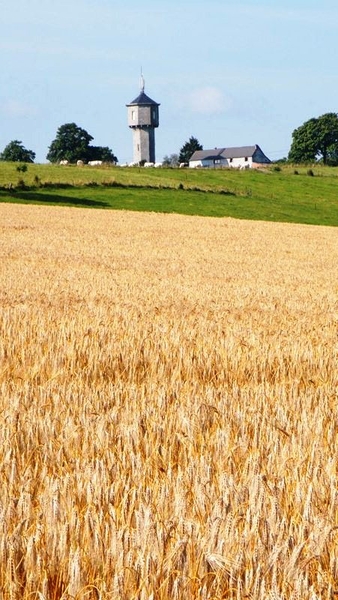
144 100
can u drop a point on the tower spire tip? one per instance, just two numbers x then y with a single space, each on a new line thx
142 81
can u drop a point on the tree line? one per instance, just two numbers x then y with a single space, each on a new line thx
316 140
72 143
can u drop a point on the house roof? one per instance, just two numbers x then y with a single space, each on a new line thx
238 152
207 154
144 100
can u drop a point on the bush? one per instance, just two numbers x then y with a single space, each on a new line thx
21 168
310 173
91 184
21 184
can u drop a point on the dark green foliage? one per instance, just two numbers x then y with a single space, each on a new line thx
101 153
16 152
21 168
316 139
72 143
188 149
21 184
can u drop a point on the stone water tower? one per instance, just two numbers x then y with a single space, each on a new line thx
142 119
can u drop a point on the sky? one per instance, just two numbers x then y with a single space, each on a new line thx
228 72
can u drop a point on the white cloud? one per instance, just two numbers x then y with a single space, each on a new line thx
15 108
208 100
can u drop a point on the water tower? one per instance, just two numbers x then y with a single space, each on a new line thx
142 119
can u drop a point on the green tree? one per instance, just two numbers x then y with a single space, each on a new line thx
316 139
188 149
101 153
71 143
170 161
16 152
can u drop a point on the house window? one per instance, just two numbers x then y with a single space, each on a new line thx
246 159
230 160
217 161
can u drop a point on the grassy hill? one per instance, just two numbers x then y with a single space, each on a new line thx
299 195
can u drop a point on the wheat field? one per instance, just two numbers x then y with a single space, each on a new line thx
168 407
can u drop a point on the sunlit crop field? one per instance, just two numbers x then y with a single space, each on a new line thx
168 407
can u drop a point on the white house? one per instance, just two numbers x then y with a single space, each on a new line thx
244 157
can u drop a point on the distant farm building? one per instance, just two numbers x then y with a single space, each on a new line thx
244 157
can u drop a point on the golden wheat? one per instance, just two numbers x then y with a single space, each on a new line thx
168 407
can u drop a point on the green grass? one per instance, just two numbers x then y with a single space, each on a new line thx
257 195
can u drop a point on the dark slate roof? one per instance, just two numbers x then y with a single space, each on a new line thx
143 99
239 152
216 153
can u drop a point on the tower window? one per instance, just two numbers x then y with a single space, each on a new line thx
133 115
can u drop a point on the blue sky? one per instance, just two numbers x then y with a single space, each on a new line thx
229 72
